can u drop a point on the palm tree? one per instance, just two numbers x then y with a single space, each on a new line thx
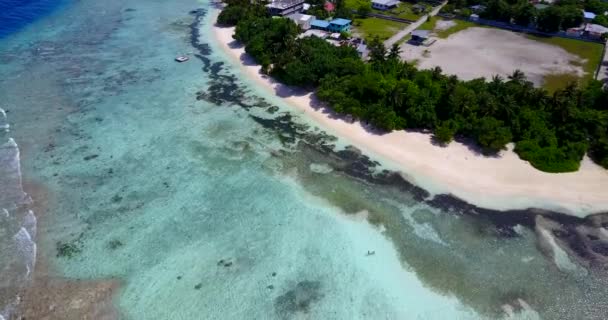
495 85
437 72
565 101
395 51
517 76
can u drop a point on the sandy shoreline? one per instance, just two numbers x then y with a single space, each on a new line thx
504 182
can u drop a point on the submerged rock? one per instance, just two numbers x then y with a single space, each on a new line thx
299 299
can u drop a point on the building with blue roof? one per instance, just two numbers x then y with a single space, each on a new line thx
339 25
319 24
335 25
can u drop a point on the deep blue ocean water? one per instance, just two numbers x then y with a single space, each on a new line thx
16 14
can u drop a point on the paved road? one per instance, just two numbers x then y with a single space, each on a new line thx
602 75
401 34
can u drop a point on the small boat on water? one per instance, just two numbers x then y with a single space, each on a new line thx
182 59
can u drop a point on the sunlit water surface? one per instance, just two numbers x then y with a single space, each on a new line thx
208 199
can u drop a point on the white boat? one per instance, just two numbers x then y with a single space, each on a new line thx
182 59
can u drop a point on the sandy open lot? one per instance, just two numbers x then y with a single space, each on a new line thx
485 52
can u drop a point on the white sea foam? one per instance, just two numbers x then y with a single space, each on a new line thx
3 123
26 248
18 258
560 256
320 168
30 224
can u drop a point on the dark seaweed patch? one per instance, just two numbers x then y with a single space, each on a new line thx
68 249
298 299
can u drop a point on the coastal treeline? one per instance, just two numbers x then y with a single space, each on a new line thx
553 132
560 15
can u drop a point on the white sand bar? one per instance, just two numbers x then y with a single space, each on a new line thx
485 52
504 182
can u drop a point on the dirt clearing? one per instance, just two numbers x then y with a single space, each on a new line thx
485 52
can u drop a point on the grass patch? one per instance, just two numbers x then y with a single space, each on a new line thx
355 4
429 24
459 26
371 27
403 11
404 39
590 52
556 81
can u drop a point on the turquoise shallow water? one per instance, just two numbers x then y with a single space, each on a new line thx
209 200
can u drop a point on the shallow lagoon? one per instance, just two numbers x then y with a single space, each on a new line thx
208 199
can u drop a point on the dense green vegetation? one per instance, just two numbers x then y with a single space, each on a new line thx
404 10
562 15
553 132
317 9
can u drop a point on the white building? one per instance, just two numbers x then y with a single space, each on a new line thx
284 7
302 20
595 30
384 4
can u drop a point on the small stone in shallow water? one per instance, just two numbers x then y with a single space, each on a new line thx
274 274
198 286
115 244
49 147
179 277
91 157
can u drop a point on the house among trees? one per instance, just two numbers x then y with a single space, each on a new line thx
336 25
418 8
329 7
478 8
319 24
339 25
384 4
595 30
302 20
588 16
284 7
420 36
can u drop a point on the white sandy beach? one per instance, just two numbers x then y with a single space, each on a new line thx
504 182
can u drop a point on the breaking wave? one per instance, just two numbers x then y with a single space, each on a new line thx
17 225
